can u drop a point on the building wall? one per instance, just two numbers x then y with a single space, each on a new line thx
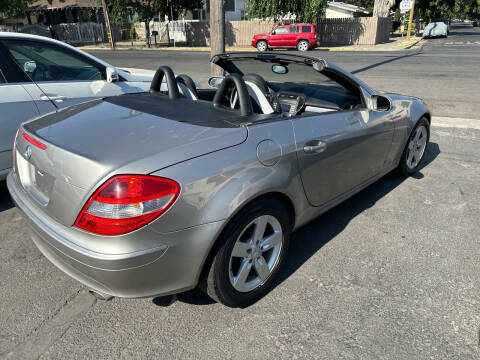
239 12
336 13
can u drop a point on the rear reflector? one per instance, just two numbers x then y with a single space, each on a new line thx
33 141
127 202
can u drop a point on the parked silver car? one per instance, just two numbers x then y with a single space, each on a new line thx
153 193
436 29
39 75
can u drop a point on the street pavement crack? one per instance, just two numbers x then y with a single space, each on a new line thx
52 328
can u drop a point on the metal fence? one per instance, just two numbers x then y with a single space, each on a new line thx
74 33
79 33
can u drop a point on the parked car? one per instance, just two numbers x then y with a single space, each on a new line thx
153 193
435 29
40 75
300 36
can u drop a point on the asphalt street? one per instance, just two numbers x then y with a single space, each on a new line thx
392 273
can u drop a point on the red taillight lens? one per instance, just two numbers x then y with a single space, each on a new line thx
34 141
127 202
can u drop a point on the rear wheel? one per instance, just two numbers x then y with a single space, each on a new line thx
262 45
252 249
415 149
303 45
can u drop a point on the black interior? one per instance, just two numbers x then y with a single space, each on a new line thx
232 97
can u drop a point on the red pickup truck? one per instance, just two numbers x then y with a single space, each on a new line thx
301 36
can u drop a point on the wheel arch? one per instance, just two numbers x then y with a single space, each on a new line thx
273 195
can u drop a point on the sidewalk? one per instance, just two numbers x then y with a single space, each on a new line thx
394 44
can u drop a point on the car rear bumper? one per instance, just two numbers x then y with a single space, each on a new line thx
174 265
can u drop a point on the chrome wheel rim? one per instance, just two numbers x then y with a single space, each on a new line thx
256 253
261 46
416 147
303 46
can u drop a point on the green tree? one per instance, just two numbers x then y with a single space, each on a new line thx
14 8
146 10
305 10
431 10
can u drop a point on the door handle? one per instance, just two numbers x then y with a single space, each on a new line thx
53 97
318 147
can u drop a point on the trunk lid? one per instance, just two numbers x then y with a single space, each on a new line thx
88 143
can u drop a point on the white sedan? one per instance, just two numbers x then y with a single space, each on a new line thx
39 75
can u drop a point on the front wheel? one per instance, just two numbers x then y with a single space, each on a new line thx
415 149
303 45
250 253
262 46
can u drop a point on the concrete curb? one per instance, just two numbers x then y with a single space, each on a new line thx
415 43
350 48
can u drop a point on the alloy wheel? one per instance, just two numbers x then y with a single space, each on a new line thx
303 46
261 46
256 253
416 147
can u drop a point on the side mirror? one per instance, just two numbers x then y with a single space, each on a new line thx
29 66
381 103
112 74
215 81
273 32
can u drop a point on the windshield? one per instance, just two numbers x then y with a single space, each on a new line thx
295 72
302 77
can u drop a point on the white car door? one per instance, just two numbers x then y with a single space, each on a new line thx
17 105
65 76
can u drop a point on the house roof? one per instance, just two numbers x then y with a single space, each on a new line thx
63 4
347 7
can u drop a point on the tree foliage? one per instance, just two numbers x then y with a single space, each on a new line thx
309 11
448 9
147 9
434 9
14 8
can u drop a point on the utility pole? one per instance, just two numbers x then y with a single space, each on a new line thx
217 33
107 25
410 21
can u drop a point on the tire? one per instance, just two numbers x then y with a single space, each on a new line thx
225 268
262 45
406 167
303 45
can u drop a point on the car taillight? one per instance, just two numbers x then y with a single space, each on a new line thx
127 202
34 141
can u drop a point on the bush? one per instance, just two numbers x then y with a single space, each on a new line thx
133 33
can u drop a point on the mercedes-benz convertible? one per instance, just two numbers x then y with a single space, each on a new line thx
156 193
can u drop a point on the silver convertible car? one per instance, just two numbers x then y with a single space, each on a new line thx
157 193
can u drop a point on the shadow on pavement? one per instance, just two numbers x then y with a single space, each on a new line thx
5 200
369 67
312 237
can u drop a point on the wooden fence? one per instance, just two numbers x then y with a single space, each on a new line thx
237 33
356 31
351 31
